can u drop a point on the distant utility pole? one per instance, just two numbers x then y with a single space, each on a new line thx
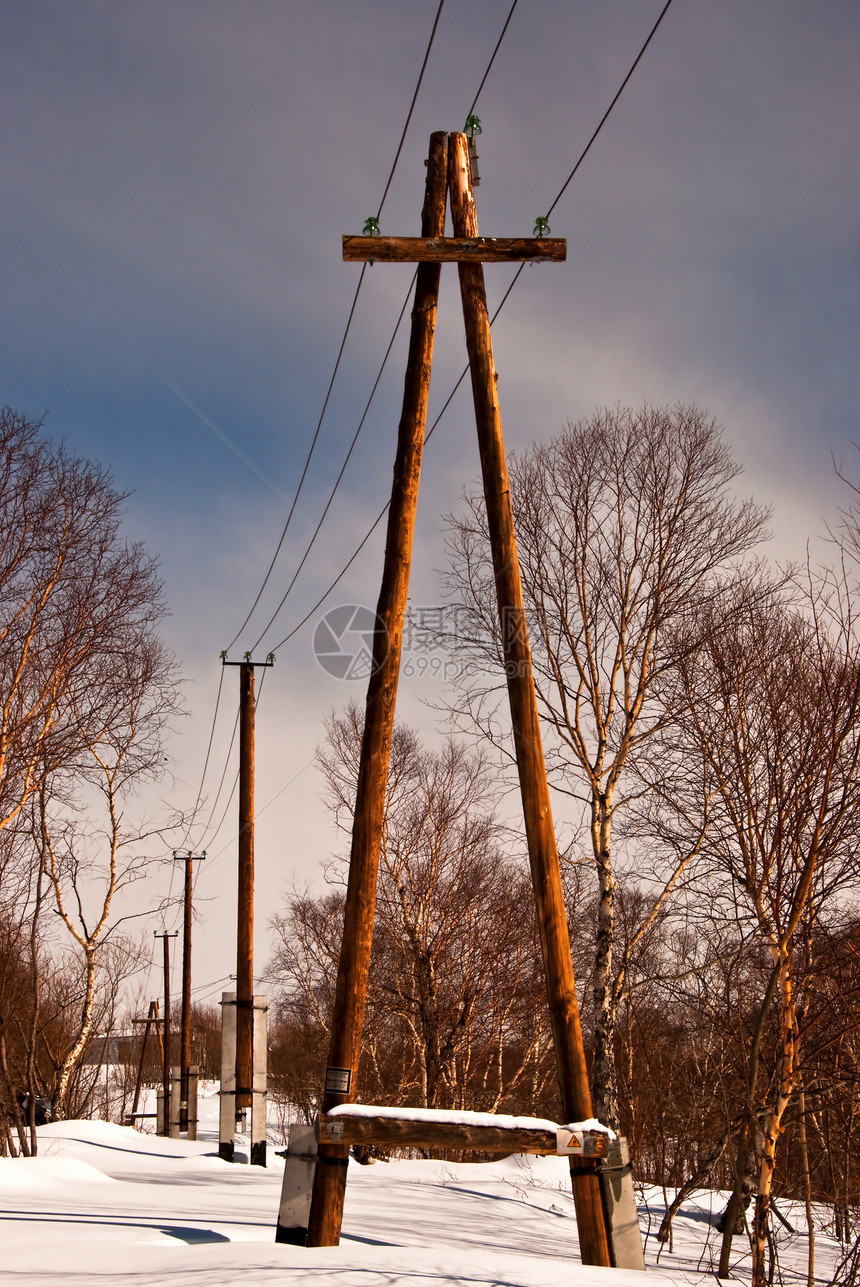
151 1020
165 1072
245 911
185 1022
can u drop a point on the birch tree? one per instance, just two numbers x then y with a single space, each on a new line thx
626 526
75 596
456 1012
773 710
89 861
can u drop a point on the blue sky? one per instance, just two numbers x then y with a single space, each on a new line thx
177 177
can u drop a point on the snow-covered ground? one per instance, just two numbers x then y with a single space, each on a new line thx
104 1204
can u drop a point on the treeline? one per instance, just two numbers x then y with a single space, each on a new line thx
87 689
701 719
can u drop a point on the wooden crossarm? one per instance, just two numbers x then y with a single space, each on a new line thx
393 1132
446 250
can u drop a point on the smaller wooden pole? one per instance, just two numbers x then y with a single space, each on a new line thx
185 1022
165 1068
245 895
245 921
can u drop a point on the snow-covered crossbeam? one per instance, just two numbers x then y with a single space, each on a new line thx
443 1129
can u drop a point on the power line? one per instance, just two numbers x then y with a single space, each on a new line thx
307 463
492 59
184 843
412 105
378 518
605 115
349 319
498 310
337 481
211 835
289 588
208 824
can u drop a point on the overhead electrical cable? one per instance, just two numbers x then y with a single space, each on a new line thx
208 825
326 402
349 319
498 310
605 116
411 106
337 481
184 843
210 835
380 516
381 369
307 463
492 59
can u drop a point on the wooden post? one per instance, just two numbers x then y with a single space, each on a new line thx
348 1016
152 1018
245 921
185 1022
165 1053
540 833
227 1097
244 1085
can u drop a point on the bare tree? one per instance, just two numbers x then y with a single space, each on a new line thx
75 598
85 689
772 708
626 527
90 863
456 1014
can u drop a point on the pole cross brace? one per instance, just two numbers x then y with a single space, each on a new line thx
447 250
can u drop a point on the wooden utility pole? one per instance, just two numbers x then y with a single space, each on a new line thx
151 1018
185 1022
348 1015
245 900
245 920
165 1067
469 251
537 810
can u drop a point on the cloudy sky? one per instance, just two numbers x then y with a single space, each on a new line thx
177 177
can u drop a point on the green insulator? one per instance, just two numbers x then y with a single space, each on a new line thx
542 228
371 227
473 126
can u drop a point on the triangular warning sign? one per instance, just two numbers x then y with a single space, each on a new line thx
568 1141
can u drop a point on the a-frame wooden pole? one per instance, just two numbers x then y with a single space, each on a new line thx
540 832
151 1018
348 1016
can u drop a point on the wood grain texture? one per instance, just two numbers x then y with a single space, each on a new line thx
446 250
537 812
394 1132
245 935
351 989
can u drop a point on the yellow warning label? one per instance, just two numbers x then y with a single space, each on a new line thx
568 1141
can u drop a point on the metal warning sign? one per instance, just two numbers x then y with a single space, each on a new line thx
584 1143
